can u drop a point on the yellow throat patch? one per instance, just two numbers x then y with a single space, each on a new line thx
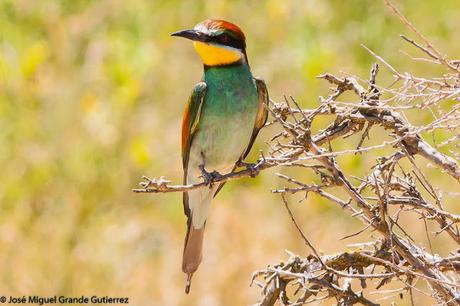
215 56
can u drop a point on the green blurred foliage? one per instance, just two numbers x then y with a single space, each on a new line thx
91 96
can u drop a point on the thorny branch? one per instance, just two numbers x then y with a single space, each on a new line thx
396 184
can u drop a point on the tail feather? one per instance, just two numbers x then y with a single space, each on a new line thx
192 252
197 203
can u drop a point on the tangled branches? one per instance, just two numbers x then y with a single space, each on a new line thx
395 186
371 199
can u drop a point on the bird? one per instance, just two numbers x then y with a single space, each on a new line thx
222 118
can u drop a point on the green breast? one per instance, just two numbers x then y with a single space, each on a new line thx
228 114
231 89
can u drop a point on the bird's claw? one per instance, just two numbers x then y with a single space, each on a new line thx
209 177
253 171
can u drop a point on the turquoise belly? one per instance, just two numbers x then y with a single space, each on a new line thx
227 117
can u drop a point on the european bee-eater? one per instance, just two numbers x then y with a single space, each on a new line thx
222 118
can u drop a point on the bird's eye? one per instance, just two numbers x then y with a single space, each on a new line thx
229 40
224 38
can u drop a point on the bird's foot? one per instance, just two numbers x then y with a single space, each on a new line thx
209 177
252 168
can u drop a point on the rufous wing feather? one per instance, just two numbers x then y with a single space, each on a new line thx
194 238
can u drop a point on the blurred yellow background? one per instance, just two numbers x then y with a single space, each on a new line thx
91 98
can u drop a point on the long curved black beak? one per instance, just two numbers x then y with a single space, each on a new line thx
192 35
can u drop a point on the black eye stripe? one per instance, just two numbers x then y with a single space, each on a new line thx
224 37
229 40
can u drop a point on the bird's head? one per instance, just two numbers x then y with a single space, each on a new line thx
218 42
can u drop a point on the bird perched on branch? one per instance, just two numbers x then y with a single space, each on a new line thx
222 118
